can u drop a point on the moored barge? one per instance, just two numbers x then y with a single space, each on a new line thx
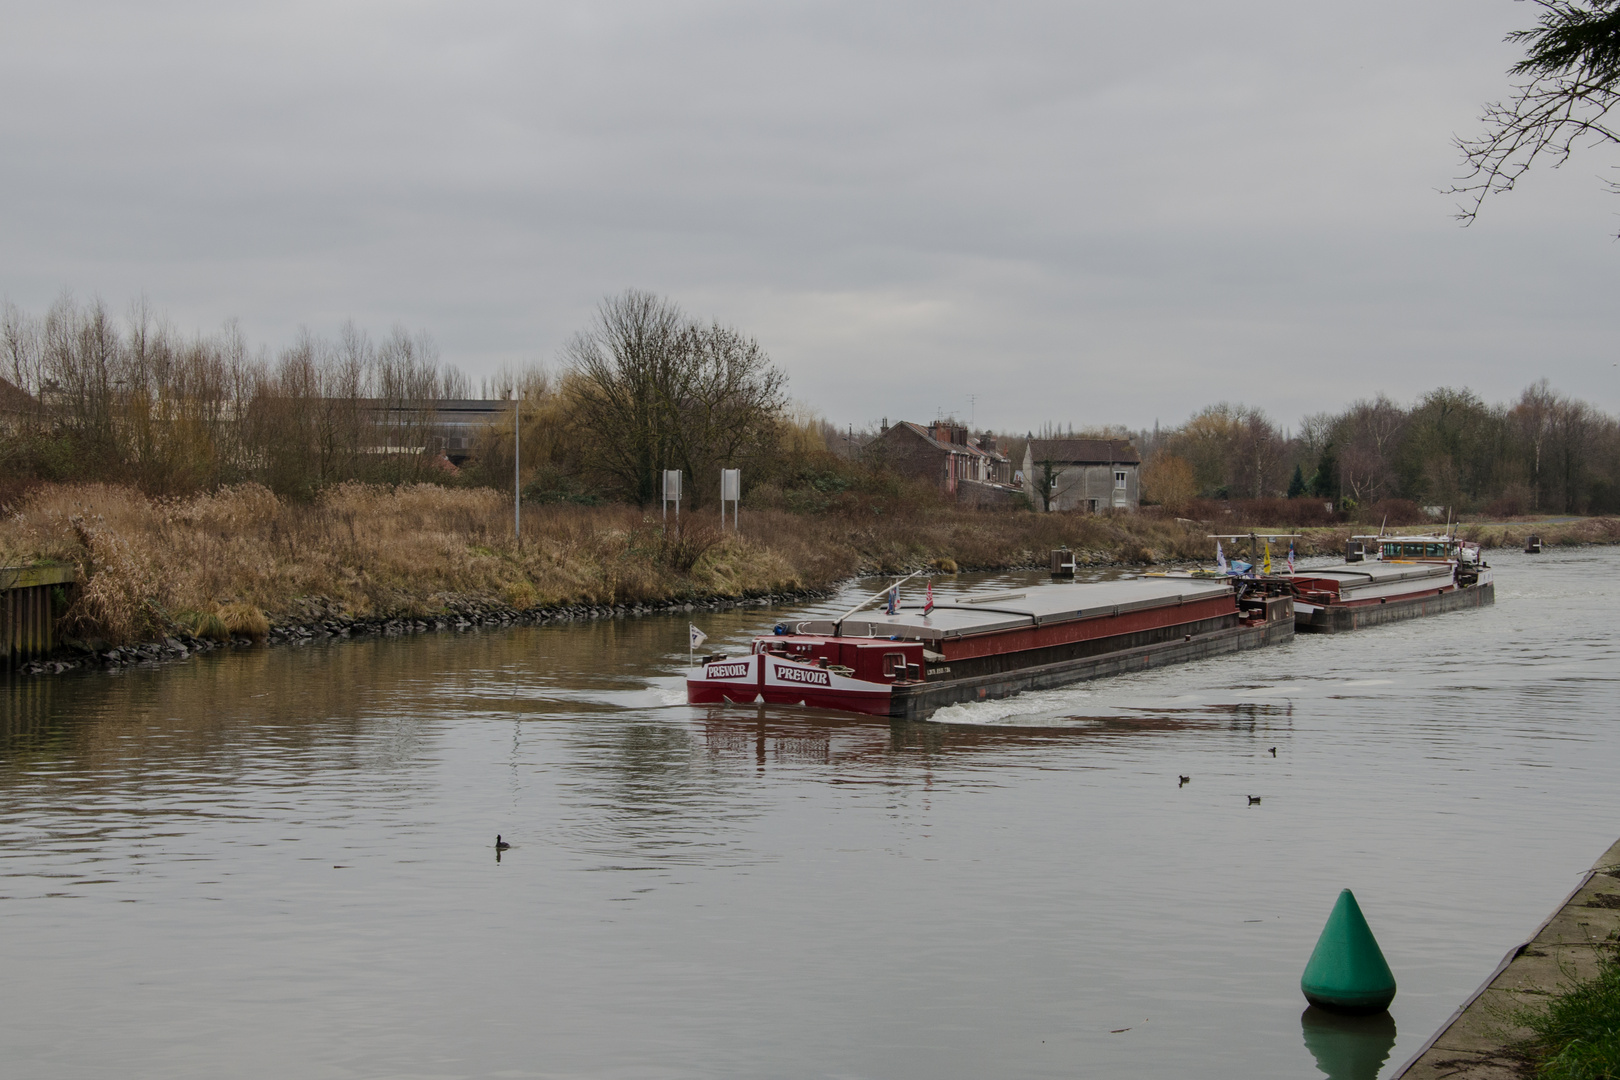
1412 576
917 658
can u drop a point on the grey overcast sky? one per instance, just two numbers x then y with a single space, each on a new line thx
1079 212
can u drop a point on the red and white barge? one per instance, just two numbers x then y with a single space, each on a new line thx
1408 577
909 663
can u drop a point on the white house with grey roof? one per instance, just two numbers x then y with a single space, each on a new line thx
1082 474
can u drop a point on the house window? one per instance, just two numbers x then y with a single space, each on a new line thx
1119 478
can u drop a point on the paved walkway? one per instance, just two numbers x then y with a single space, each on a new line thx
1469 1046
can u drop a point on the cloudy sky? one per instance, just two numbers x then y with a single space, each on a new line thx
1076 212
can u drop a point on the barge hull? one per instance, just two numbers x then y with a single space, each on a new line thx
919 702
1339 618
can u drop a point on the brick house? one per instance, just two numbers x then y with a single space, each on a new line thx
944 454
1084 474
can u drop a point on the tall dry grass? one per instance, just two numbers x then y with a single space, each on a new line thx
240 559
244 556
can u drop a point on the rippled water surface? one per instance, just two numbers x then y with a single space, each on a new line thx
279 862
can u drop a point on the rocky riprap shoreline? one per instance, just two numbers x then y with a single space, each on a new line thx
322 619
173 647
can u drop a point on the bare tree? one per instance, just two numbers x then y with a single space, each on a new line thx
615 368
1046 478
23 358
653 390
725 401
1573 65
1259 452
409 383
1369 433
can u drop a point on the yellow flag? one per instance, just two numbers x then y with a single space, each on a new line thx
1265 567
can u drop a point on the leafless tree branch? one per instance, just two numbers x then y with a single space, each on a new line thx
1573 61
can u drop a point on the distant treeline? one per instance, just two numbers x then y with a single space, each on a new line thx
1544 453
645 387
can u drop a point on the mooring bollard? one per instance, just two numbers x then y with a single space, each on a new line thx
1347 972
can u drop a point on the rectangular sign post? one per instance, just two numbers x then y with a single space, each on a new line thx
672 494
730 488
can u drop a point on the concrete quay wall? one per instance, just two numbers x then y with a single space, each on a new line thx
1470 1045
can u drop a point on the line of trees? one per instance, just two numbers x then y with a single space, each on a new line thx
142 404
644 388
1544 453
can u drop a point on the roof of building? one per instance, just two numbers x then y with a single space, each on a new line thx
480 406
926 433
1084 451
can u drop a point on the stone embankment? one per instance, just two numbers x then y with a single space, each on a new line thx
326 620
1476 1043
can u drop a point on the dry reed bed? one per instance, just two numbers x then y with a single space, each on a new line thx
241 559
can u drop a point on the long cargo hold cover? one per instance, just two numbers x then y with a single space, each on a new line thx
1012 609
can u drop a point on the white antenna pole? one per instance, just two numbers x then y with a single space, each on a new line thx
517 465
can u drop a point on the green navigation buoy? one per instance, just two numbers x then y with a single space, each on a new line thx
1347 972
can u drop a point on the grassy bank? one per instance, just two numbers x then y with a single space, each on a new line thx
1576 1035
241 560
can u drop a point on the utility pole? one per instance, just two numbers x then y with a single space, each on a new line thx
517 465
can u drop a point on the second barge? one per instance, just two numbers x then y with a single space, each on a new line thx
918 658
1412 576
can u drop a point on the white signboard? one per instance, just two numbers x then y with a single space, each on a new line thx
730 484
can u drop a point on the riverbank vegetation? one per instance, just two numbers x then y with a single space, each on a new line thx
1576 1034
203 486
240 559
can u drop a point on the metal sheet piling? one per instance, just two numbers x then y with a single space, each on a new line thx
28 610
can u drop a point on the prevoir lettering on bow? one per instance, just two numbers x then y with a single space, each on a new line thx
807 676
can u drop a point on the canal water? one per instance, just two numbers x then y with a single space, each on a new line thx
279 862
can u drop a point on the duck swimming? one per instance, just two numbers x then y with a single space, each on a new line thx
500 845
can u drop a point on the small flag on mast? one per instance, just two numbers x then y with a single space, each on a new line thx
1290 556
1220 559
928 601
1265 567
894 600
696 636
